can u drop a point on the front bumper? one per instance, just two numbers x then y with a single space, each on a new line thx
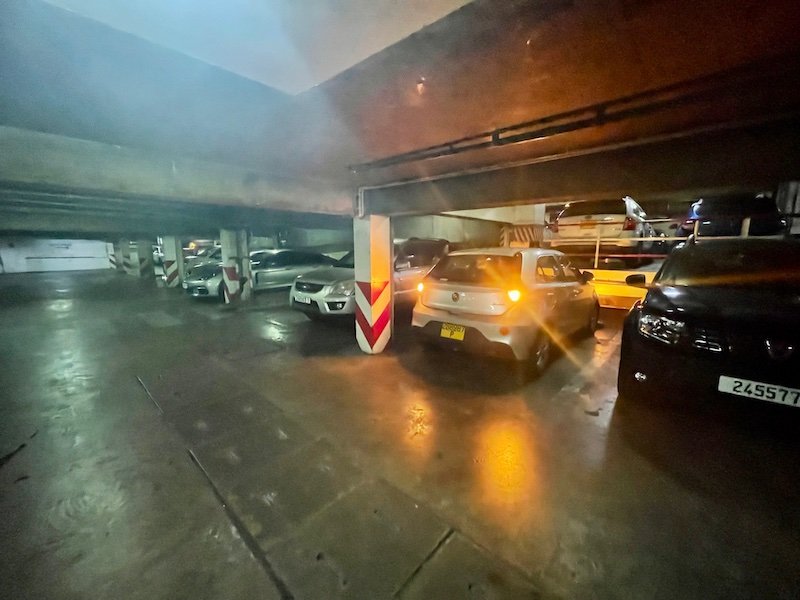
686 373
502 336
202 288
322 302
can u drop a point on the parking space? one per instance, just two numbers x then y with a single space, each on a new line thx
250 452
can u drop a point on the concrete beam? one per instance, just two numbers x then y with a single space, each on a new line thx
748 156
29 157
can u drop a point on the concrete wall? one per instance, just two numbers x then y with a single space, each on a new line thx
458 230
25 255
320 238
516 215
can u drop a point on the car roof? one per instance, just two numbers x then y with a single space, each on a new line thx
505 251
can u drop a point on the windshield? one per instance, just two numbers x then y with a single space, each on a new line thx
479 269
743 264
594 207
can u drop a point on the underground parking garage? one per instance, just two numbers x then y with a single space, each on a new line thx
306 312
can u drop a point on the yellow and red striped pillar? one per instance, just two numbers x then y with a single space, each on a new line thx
372 239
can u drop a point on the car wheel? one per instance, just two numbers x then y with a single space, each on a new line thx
221 291
540 354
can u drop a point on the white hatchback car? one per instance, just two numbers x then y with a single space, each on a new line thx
505 302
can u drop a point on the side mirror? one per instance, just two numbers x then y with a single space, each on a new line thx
587 276
636 280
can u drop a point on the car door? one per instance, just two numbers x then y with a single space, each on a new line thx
555 292
580 297
291 265
408 272
264 273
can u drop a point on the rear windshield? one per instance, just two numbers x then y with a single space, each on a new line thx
479 269
733 205
741 264
594 207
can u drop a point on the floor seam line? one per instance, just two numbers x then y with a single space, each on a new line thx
442 541
244 533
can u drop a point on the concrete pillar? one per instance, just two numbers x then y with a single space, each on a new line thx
125 255
141 258
245 274
372 239
174 267
235 264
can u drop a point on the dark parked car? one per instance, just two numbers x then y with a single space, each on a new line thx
721 318
723 216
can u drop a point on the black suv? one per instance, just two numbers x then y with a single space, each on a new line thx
723 216
721 318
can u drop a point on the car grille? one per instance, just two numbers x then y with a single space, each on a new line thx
709 339
305 286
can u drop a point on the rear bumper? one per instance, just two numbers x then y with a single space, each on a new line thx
498 337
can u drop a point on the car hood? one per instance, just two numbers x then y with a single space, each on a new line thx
329 275
776 306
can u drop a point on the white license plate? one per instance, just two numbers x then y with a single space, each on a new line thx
302 300
185 285
759 390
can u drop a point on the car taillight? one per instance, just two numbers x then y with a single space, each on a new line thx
629 224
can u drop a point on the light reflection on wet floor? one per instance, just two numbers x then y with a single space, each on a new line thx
586 497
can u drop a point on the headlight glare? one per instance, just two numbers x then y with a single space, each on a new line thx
663 329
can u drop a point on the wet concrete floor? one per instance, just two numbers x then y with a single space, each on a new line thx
159 447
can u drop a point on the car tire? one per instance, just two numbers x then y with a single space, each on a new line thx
221 291
540 355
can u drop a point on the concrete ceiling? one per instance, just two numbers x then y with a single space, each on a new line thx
289 45
486 67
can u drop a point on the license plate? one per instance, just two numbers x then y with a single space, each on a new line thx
453 332
302 300
185 285
587 225
759 390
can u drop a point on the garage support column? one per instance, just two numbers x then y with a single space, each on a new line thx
245 275
119 254
141 258
173 260
372 238
125 253
235 261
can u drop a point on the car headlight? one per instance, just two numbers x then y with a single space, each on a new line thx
663 329
345 288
